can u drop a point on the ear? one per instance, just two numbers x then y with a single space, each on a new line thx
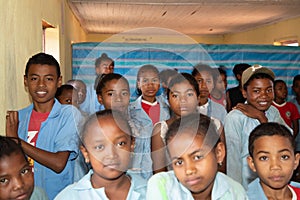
238 77
59 81
132 144
251 163
85 153
244 92
100 100
296 162
25 81
220 152
138 84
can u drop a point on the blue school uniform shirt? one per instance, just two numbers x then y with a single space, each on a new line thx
214 110
237 129
57 133
165 186
83 189
255 191
142 161
91 103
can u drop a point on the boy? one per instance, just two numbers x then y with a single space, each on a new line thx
272 157
46 128
257 82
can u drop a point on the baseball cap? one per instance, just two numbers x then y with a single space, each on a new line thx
255 69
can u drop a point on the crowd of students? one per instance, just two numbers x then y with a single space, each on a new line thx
194 141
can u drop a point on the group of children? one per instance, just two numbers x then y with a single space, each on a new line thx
152 148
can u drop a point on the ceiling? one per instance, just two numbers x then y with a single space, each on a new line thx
190 17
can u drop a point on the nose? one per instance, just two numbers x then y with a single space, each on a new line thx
274 164
111 152
190 169
41 82
18 183
182 99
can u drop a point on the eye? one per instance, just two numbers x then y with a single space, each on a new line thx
155 80
33 78
49 79
269 90
174 95
198 157
190 94
121 144
285 157
69 101
3 181
99 147
125 93
263 158
178 162
25 171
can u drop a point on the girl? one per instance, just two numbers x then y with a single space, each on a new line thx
16 177
196 151
147 110
107 145
182 95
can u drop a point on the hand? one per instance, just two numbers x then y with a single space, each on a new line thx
12 122
251 112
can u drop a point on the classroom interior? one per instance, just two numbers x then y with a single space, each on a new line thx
22 35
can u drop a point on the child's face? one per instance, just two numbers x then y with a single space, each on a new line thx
69 97
220 84
296 88
149 84
205 83
115 95
107 148
105 67
16 178
260 93
42 82
81 90
280 91
183 99
274 161
195 166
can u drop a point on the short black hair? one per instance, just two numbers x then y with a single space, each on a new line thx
42 59
181 77
165 74
116 115
257 76
63 88
269 129
197 69
106 78
296 78
9 145
278 81
197 124
240 68
103 57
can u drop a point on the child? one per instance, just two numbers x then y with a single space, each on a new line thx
296 101
182 93
204 76
234 95
113 92
288 110
16 177
196 151
80 86
103 65
165 77
272 156
257 82
107 145
47 129
67 94
147 110
218 94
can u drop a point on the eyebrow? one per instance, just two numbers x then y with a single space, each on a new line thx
280 151
194 152
176 91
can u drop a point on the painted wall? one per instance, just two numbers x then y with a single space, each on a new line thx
21 37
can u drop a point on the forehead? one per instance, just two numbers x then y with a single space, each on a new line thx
261 82
272 143
203 74
117 83
39 69
181 85
148 73
14 160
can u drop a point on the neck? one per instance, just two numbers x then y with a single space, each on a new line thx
43 107
109 184
149 99
202 101
279 100
277 194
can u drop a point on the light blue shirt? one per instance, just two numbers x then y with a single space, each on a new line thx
142 152
38 194
255 191
83 189
165 186
237 130
57 133
214 110
294 101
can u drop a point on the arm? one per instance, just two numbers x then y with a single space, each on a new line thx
158 153
55 161
222 138
295 126
251 112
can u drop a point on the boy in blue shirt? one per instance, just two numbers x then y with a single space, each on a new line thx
46 128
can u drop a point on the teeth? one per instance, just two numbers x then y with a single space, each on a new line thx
263 103
41 92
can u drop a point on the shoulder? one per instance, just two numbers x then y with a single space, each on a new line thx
255 191
164 178
139 183
38 194
135 104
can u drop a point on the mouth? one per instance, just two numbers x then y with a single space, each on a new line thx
193 181
263 103
22 196
276 178
115 166
41 93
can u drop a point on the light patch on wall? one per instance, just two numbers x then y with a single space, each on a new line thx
51 40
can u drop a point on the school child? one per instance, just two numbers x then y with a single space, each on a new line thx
218 93
16 177
288 110
103 65
80 86
145 111
234 95
67 94
257 82
296 101
272 156
196 152
47 129
204 76
107 145
182 94
165 77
